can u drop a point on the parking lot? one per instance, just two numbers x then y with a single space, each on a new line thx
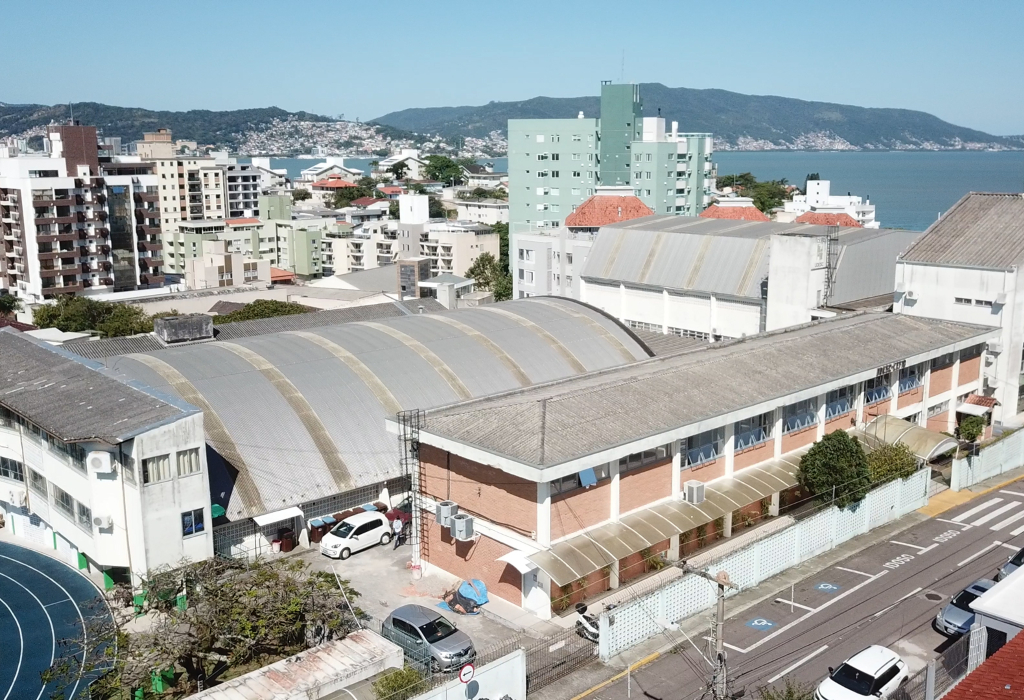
384 582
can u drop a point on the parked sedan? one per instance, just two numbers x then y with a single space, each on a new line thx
874 672
957 617
1011 565
355 533
429 637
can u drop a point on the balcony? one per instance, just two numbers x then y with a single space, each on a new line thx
54 290
151 278
143 230
141 197
150 246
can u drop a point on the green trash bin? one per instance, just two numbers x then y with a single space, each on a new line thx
162 680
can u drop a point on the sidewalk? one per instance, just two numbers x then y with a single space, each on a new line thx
949 499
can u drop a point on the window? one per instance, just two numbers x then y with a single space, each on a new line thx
970 353
753 431
642 459
877 389
540 138
576 190
188 462
705 447
84 516
942 361
644 326
526 276
37 482
910 378
63 500
636 157
192 522
648 158
938 408
585 479
156 469
554 173
647 175
686 333
800 415
838 402
568 258
12 469
983 302
961 300
576 137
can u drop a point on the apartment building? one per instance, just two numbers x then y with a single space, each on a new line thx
364 247
120 485
483 211
243 236
819 200
555 164
219 267
967 267
75 223
575 480
453 246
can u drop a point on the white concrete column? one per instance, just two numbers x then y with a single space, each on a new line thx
544 513
729 448
622 304
677 467
894 389
712 315
613 498
666 302
953 392
727 527
773 509
613 576
822 401
860 403
777 435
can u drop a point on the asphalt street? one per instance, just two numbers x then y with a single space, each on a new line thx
43 602
887 594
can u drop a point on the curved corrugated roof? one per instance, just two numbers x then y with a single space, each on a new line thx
300 415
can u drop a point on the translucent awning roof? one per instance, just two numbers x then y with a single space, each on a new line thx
574 558
886 429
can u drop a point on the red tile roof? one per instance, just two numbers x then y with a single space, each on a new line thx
1000 677
334 182
988 401
366 201
603 209
239 222
16 325
735 213
822 219
391 190
279 275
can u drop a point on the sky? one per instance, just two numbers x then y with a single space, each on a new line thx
961 61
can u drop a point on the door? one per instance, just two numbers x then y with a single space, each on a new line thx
888 681
407 637
360 538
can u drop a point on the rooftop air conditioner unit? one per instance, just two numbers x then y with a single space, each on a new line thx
445 511
694 492
462 527
910 294
100 465
103 522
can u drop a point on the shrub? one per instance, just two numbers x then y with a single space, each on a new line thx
835 465
400 684
262 308
971 428
889 462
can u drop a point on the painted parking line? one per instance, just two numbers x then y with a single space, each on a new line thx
984 551
854 571
919 548
1018 494
974 511
1009 521
797 665
793 603
908 595
996 513
1009 546
953 522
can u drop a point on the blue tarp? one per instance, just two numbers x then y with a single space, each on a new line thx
475 590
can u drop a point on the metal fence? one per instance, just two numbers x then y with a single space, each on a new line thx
941 674
648 614
988 461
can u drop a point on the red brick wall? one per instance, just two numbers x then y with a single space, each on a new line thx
634 566
798 438
938 422
877 409
840 422
479 489
941 380
708 471
969 370
642 486
753 455
580 509
473 560
908 398
595 583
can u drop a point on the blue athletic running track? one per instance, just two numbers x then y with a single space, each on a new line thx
42 602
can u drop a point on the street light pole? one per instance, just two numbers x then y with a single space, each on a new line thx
719 687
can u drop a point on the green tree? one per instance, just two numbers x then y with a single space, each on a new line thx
435 209
768 195
970 428
743 181
835 470
790 690
124 320
393 209
262 308
489 276
399 170
9 305
443 169
300 195
80 314
889 462
400 684
502 230
343 196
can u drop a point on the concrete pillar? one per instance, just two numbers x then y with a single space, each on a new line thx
777 434
894 389
955 387
677 468
729 448
773 509
613 497
822 401
544 513
727 527
860 403
613 576
666 302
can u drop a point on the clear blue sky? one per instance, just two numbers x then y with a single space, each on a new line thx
962 61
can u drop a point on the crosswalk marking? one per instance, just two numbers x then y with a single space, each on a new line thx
1009 521
996 513
1017 532
976 510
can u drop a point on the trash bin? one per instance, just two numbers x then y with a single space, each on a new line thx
287 540
316 530
275 546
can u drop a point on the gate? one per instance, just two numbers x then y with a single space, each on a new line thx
548 660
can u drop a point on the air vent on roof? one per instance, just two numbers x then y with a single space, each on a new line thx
694 491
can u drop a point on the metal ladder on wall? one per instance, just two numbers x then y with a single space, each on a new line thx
831 261
409 424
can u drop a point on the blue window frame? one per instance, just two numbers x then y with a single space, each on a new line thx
839 401
705 447
755 430
800 415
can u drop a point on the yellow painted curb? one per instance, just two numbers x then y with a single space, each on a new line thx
951 499
634 666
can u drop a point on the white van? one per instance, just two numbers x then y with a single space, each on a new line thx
355 533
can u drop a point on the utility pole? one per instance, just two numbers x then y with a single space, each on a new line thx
719 688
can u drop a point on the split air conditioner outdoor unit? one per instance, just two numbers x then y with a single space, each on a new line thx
18 498
910 294
995 346
99 464
103 521
444 511
694 491
462 527
901 287
1001 298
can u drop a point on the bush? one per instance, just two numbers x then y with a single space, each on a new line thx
971 428
835 465
791 690
300 195
400 684
80 314
890 462
262 308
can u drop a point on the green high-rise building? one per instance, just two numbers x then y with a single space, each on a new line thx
554 165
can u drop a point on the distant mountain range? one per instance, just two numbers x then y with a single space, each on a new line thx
738 122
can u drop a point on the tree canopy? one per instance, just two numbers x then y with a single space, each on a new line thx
9 305
837 465
300 195
767 194
435 209
971 428
343 196
262 308
443 169
489 276
889 462
80 314
399 170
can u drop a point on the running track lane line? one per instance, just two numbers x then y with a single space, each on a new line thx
53 634
85 633
21 648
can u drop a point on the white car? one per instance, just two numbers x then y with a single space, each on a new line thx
355 533
874 672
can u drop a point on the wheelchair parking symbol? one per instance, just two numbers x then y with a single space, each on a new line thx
759 623
827 587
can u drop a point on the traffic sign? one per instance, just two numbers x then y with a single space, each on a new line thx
466 673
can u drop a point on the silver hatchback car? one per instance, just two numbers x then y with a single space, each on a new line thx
957 617
1011 565
429 637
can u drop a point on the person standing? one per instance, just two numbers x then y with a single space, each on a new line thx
396 529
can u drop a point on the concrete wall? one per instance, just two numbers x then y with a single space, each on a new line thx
504 677
792 293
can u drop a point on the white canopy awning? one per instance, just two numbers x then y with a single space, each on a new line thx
519 561
924 443
973 409
279 515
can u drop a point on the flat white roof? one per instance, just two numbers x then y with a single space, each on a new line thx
1002 601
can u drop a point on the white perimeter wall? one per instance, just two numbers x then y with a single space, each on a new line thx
506 676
